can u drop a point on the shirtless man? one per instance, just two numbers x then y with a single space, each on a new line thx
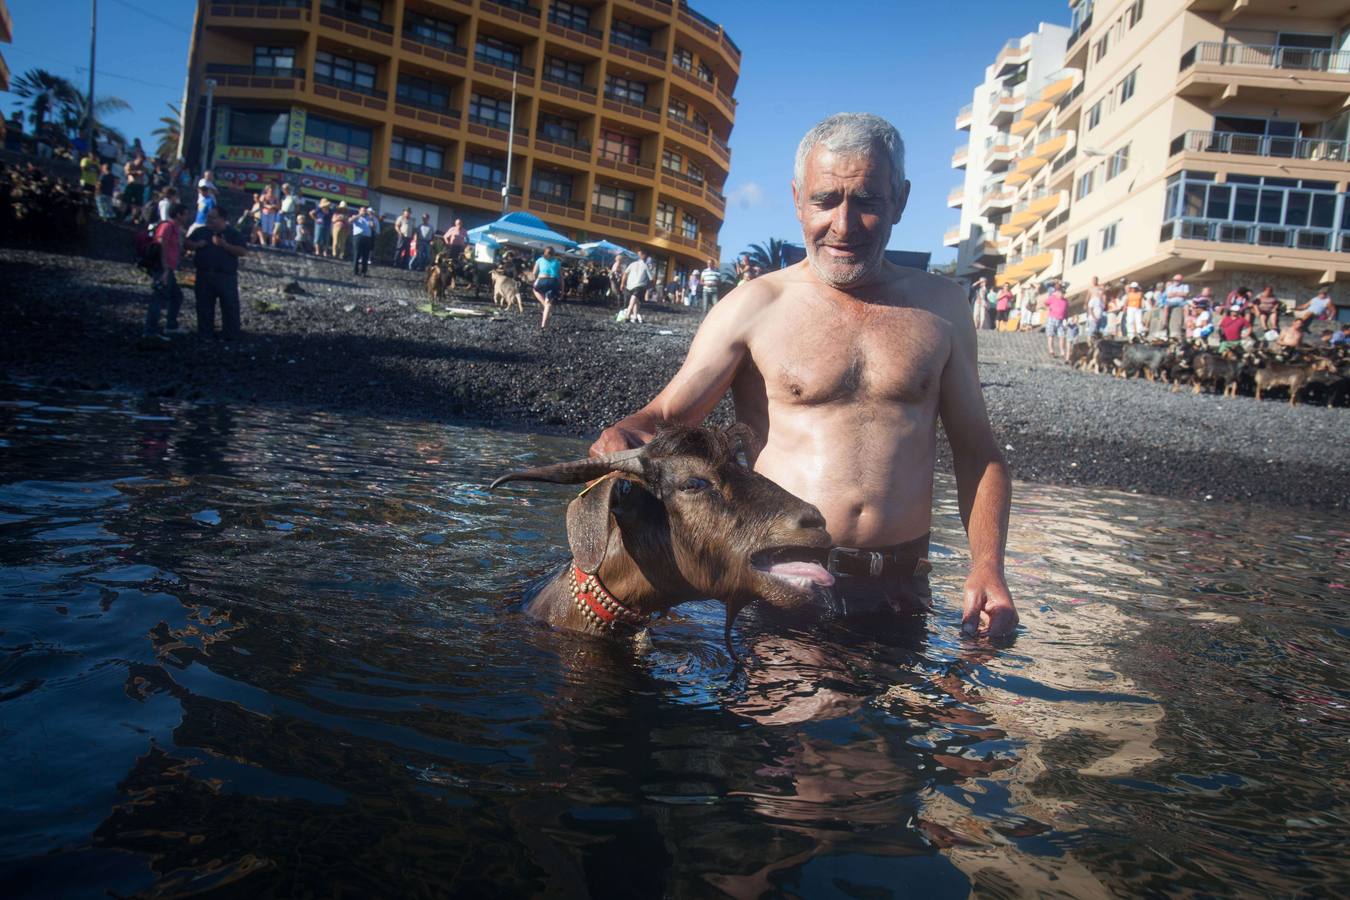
843 364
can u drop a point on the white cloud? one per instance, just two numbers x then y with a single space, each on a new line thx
747 196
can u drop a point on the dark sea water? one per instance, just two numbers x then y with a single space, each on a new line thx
250 652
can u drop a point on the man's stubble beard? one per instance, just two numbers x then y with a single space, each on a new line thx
842 276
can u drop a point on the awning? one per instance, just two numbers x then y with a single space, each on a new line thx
520 229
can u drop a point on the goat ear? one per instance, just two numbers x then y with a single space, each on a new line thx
589 524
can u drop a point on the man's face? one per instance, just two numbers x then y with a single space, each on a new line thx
1206 293
847 207
214 220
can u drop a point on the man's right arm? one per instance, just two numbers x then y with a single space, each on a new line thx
717 351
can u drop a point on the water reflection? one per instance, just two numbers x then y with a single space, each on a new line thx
257 650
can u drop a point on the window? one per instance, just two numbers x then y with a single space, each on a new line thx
552 185
689 227
678 109
1134 13
499 52
427 30
1085 184
570 15
684 59
337 140
695 172
565 71
1127 85
494 112
1109 236
415 156
1099 49
340 71
559 130
704 73
421 92
627 34
258 128
615 145
665 217
1095 115
484 171
1120 160
268 60
672 161
361 9
626 91
1080 248
614 200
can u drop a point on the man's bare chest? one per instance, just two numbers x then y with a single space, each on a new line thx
889 356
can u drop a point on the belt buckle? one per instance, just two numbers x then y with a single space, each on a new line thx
875 561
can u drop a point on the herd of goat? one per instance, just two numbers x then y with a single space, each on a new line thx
449 272
1310 374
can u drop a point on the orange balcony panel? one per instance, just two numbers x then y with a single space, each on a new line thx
1015 178
1010 229
1056 89
1029 165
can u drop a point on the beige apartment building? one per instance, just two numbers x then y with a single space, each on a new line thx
1201 137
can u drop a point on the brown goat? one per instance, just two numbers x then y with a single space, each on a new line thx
677 520
1293 377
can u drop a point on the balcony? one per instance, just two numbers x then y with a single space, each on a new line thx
422 176
427 113
964 117
1217 72
357 26
1316 154
513 11
259 13
1028 165
350 92
1004 104
624 103
1010 57
1075 51
587 37
999 152
256 77
556 205
570 89
506 70
557 145
437 51
1280 237
1066 110
952 237
608 216
617 163
624 47
682 181
484 126
956 196
996 198
959 157
687 129
1050 143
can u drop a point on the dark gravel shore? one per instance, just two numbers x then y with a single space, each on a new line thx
364 346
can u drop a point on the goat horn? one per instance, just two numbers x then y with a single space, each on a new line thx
580 470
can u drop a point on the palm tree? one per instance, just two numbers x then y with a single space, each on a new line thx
171 127
76 108
768 255
47 95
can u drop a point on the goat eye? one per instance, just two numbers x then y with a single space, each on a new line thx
695 484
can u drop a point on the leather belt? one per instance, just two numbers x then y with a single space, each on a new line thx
902 560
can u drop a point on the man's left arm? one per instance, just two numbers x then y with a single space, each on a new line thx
983 486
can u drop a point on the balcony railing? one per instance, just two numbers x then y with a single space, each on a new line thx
488 60
490 185
1064 160
1311 149
1280 236
965 110
452 49
488 122
1001 139
255 71
1080 29
1265 56
402 166
356 18
622 214
1068 98
627 100
428 106
520 7
351 86
568 24
576 144
563 82
619 39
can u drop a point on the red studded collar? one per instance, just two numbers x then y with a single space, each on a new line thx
597 604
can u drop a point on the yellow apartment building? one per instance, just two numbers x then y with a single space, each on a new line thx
1201 137
622 117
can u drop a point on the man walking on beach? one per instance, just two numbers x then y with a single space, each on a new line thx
1057 320
217 248
844 364
164 289
637 278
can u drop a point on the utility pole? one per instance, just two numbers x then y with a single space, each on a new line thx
510 146
206 126
89 103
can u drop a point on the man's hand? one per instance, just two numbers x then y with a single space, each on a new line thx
619 437
988 606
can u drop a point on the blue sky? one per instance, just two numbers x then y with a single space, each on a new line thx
913 61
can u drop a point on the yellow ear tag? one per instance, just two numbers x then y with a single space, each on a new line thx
590 484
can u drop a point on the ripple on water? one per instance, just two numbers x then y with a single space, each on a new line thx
283 652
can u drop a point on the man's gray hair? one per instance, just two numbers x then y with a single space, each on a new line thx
854 133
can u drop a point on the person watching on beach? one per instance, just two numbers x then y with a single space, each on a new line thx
844 364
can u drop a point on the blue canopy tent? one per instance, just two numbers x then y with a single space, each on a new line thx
604 250
520 229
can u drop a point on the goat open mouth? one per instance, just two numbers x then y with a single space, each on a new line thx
797 567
